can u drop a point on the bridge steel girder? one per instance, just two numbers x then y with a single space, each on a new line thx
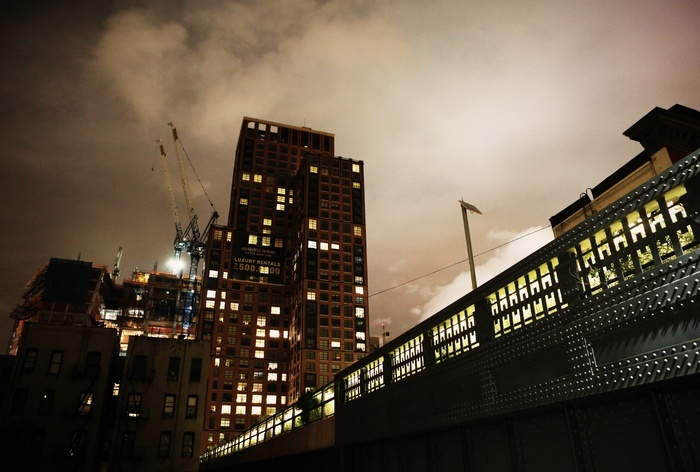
585 356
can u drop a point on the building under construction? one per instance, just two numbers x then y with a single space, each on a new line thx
72 292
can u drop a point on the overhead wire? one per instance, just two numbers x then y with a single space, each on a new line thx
195 174
459 262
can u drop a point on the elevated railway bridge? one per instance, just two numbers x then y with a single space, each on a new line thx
582 357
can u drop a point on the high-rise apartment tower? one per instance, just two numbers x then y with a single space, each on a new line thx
284 296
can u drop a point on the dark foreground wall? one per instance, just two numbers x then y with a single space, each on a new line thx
645 429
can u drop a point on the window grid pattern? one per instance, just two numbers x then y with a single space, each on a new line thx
407 359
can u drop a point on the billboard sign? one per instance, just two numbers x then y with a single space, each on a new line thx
256 262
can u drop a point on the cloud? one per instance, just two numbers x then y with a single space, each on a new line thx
513 247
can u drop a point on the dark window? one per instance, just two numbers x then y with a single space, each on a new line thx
191 411
19 400
169 406
127 443
138 368
77 442
173 368
196 369
92 365
164 444
55 363
29 361
46 402
188 444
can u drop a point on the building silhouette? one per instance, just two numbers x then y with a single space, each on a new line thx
284 298
103 374
666 135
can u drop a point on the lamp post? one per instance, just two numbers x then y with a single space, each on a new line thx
466 206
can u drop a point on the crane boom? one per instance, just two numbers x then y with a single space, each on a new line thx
183 175
117 262
178 242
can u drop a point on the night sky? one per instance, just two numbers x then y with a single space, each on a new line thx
516 107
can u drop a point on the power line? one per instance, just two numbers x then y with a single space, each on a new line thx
459 262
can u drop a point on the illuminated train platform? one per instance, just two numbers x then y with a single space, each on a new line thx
582 357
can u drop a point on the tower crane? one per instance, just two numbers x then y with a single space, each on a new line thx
178 242
191 239
117 262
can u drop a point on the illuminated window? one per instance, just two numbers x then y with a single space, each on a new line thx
233 305
260 333
280 207
357 230
271 399
191 409
266 241
272 376
256 410
281 190
359 312
274 333
241 409
243 201
260 354
356 167
246 176
335 247
257 178
213 274
241 398
324 246
312 223
359 290
211 293
259 343
313 169
225 409
225 423
257 398
218 234
356 185
335 344
252 239
169 406
275 310
85 406
267 222
312 244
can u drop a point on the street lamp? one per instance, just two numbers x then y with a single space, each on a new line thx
466 206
